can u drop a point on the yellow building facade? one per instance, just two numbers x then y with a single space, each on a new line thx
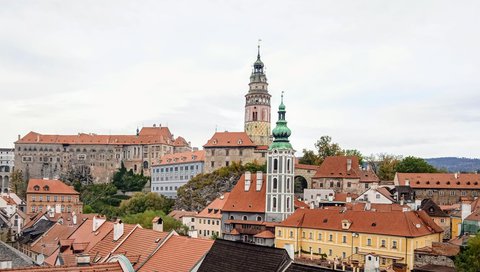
346 243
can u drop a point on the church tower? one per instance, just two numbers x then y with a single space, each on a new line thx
280 172
257 106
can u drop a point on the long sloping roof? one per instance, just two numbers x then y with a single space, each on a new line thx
252 200
230 139
50 186
439 180
394 223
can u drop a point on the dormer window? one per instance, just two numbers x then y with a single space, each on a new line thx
36 188
46 188
346 224
215 141
240 142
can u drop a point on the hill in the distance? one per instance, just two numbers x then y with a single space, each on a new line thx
453 164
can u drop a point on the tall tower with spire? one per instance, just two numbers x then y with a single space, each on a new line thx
280 172
257 106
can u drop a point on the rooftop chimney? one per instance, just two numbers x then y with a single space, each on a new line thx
117 230
456 175
368 206
349 164
466 209
259 180
248 180
407 182
97 222
349 198
290 250
74 218
157 224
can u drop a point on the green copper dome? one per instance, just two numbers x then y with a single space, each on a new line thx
281 132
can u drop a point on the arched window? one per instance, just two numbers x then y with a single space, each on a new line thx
275 164
275 183
288 204
255 116
259 218
231 217
135 168
288 185
274 201
244 218
288 165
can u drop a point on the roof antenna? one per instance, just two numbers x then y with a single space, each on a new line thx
258 46
216 127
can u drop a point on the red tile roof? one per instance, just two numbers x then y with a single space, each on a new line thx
474 216
178 214
214 209
148 135
307 166
177 254
105 267
49 242
439 180
50 187
395 223
140 244
265 234
230 139
252 200
300 204
85 234
103 248
183 157
336 167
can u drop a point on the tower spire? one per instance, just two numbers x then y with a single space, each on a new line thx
258 46
281 132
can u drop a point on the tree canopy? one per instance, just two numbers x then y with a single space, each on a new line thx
140 202
127 181
145 220
412 164
326 148
469 259
204 188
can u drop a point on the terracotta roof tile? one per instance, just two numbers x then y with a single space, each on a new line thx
148 135
183 157
307 167
247 201
300 204
85 234
49 186
214 209
442 249
140 244
265 234
50 241
178 214
395 223
103 248
110 267
439 180
336 167
230 139
178 253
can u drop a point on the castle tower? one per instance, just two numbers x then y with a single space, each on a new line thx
280 172
257 106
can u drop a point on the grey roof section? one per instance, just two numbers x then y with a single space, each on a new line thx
19 260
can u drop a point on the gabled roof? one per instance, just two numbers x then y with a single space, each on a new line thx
432 209
140 244
239 257
474 216
439 180
179 214
19 260
148 135
230 139
337 167
103 248
85 238
252 200
214 209
177 254
182 157
49 186
394 223
307 167
49 242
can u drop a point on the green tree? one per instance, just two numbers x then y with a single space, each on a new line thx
387 165
309 157
354 152
145 220
88 209
18 184
469 259
326 148
141 202
127 181
412 164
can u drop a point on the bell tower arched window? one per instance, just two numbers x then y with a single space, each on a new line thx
274 202
275 184
275 164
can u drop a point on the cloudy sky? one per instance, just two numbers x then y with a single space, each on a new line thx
380 76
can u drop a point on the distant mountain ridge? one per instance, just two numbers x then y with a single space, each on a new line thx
454 164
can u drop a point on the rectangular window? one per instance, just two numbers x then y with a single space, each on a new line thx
344 239
330 238
291 234
213 164
279 233
310 236
383 243
369 242
319 236
303 234
394 244
452 193
329 252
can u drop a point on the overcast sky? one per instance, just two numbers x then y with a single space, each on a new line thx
400 77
